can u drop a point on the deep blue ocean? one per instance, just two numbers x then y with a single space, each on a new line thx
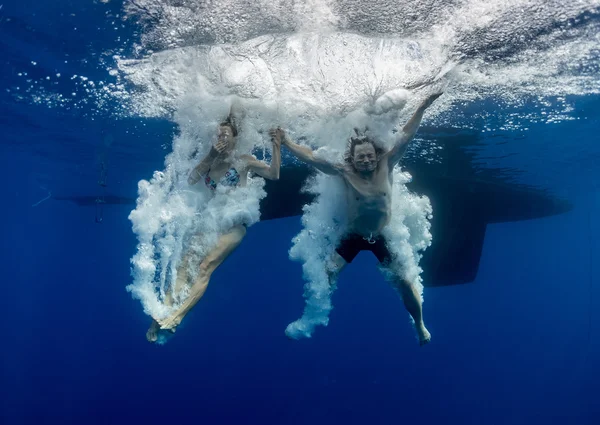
518 345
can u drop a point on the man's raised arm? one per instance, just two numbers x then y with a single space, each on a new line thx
409 130
305 154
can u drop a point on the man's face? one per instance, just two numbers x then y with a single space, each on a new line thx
365 158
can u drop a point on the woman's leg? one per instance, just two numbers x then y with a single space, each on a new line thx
225 246
181 281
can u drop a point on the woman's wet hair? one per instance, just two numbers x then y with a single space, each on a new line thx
361 138
230 122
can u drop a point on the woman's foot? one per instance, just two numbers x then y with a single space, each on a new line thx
152 333
171 322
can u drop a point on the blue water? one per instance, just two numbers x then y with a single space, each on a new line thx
520 345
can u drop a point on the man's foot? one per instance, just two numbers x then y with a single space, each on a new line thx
152 333
171 322
424 335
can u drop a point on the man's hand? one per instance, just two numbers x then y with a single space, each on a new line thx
277 136
430 99
409 130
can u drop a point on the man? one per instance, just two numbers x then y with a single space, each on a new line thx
367 174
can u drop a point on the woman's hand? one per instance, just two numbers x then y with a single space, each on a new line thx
220 146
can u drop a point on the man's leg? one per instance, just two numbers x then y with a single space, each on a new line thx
335 267
412 302
314 312
408 290
225 246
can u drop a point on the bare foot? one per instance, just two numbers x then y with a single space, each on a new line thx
171 322
424 335
152 333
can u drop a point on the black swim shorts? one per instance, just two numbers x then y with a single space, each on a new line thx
352 244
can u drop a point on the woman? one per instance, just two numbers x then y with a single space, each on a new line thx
220 167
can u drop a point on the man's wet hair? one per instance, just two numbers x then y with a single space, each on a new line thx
360 138
230 122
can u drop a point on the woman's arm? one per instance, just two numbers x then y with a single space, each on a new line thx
270 172
202 168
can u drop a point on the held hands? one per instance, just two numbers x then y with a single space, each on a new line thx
277 136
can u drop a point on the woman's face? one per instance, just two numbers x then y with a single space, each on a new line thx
226 135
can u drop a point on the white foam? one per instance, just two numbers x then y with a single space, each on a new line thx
309 74
323 225
337 55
